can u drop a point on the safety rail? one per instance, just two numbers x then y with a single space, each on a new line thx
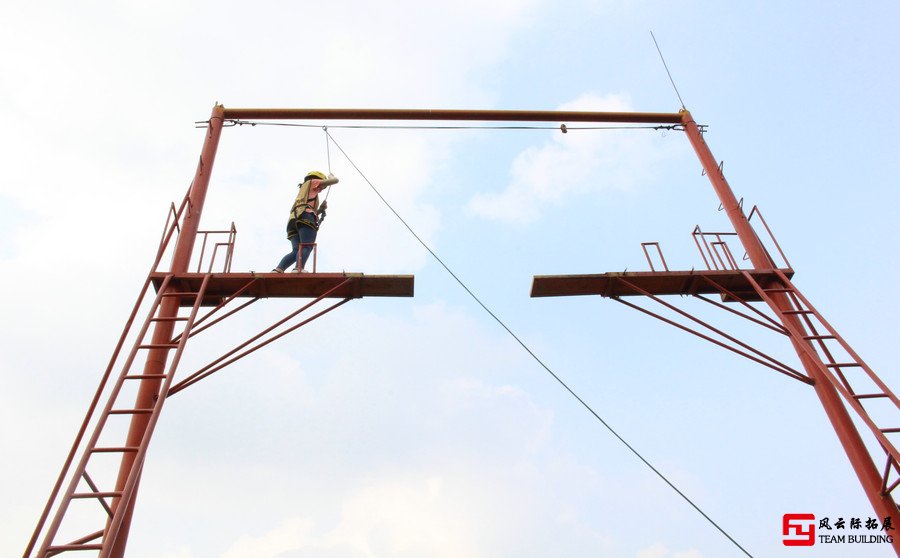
718 251
227 246
718 248
715 251
647 254
756 211
172 229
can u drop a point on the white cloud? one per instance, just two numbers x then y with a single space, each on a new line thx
657 550
409 516
571 165
333 436
100 101
293 533
401 514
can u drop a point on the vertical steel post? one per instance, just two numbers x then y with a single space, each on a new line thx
148 391
859 455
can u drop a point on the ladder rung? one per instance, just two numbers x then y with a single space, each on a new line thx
843 364
122 449
158 346
131 411
145 376
181 294
811 337
870 395
169 319
64 547
794 312
890 430
97 495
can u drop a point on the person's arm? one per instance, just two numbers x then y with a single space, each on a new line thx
332 179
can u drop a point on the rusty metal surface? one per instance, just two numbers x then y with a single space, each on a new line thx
141 428
782 300
450 114
290 285
655 282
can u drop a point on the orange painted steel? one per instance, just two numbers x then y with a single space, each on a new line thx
450 114
149 390
736 346
154 379
168 232
856 450
238 352
611 284
178 287
795 318
291 285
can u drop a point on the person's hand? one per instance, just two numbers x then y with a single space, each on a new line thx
330 175
323 207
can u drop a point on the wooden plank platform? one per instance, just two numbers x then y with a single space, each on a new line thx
288 285
654 282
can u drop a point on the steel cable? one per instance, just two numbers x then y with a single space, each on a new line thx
530 352
563 128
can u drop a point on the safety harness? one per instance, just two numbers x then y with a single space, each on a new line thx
299 208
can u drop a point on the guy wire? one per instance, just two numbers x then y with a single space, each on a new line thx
666 66
530 352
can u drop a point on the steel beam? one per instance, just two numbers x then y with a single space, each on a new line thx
451 114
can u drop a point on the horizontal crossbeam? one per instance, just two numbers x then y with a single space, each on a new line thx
455 115
290 285
637 283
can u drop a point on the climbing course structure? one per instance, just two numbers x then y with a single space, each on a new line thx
102 473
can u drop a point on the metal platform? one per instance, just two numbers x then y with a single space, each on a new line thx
655 282
288 285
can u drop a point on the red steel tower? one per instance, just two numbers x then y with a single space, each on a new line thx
831 366
103 474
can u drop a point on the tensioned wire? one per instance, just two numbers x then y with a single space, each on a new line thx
527 348
564 128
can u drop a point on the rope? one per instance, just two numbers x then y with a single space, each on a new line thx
530 352
328 155
327 147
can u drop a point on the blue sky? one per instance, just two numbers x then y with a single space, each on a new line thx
415 427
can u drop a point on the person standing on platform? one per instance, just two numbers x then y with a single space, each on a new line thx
303 224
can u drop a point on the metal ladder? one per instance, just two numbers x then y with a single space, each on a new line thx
115 502
821 343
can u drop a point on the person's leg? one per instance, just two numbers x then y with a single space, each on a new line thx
291 257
